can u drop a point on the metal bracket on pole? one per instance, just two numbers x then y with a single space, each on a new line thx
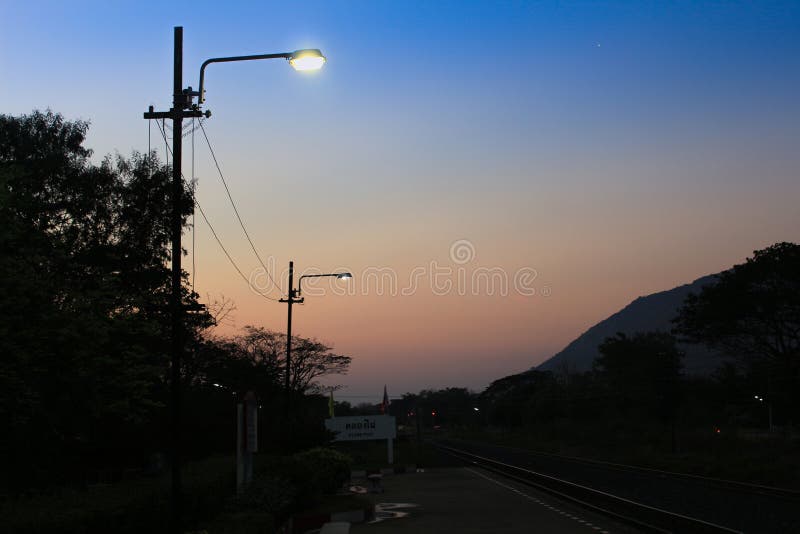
185 114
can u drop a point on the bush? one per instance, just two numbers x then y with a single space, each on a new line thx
271 494
285 485
327 469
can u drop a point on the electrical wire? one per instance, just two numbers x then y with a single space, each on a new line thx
216 237
235 210
219 241
167 151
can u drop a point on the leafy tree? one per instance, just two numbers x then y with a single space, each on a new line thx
529 397
256 360
642 372
311 360
83 294
753 312
239 364
84 316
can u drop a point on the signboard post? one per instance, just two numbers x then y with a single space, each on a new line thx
239 458
246 439
366 427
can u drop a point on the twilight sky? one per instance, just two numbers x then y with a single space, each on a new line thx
497 176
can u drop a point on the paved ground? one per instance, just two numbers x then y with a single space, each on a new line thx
470 500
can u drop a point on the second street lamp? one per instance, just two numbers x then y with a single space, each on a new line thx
296 298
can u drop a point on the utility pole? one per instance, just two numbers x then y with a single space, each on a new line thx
288 377
181 102
295 298
183 108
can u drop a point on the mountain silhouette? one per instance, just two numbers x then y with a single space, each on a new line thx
648 313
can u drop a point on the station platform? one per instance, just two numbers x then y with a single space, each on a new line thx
461 500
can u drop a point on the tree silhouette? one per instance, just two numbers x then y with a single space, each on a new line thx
753 312
642 371
256 360
83 293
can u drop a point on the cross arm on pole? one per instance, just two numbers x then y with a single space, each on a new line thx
189 113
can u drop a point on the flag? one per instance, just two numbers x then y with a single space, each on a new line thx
385 402
330 405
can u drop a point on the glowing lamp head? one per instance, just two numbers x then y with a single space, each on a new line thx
306 60
344 276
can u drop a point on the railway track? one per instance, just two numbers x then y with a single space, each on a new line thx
649 499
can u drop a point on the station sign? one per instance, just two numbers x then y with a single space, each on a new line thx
362 427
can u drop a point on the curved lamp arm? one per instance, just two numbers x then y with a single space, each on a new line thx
306 59
201 94
340 276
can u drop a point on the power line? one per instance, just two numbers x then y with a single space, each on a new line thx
219 241
214 233
216 237
235 210
167 150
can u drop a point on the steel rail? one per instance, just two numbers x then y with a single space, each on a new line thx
759 489
640 515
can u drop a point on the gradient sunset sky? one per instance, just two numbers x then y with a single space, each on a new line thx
607 149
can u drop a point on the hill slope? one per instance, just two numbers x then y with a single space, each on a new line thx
652 312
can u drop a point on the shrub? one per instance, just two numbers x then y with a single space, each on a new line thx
327 469
271 494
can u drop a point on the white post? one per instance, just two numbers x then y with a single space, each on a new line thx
250 436
239 446
390 450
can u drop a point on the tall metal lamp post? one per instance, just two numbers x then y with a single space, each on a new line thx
295 297
183 107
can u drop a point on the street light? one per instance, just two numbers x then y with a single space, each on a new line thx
296 298
304 60
338 276
183 107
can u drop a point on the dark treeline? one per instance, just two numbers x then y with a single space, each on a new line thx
84 331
